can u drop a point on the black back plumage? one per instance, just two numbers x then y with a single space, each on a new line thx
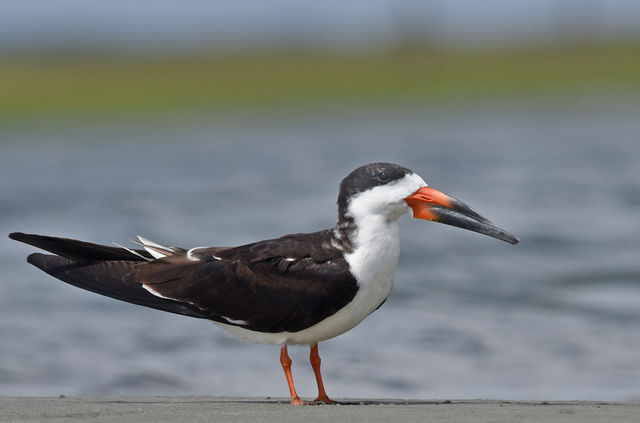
284 284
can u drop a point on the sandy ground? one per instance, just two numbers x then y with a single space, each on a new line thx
216 409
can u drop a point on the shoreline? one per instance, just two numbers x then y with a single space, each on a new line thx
223 409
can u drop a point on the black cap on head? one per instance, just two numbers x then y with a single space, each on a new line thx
369 176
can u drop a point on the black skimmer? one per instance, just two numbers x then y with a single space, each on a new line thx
297 289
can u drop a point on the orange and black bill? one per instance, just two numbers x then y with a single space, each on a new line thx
430 204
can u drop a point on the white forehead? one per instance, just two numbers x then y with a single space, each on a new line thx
386 199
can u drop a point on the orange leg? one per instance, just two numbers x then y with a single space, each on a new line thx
286 366
314 358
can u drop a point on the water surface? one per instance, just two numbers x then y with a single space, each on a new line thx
555 317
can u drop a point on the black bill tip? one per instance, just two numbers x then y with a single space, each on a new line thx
472 222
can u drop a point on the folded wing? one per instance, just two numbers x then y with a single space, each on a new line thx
270 286
286 284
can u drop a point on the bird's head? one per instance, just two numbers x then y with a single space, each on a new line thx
388 190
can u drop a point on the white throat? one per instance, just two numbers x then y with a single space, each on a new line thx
376 238
375 255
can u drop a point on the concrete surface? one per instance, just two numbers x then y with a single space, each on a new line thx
216 409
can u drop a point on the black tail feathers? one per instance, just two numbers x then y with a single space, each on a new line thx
79 250
101 269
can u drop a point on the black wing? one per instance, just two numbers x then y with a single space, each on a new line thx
285 284
101 269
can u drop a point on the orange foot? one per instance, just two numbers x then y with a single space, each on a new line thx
325 400
298 401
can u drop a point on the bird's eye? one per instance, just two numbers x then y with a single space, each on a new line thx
383 176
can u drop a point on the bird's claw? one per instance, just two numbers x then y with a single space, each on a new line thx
325 400
317 401
298 401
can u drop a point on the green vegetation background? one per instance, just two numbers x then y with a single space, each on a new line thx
90 85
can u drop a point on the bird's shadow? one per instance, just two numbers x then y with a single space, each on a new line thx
352 402
275 401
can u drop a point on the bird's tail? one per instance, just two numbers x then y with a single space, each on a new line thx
79 250
99 268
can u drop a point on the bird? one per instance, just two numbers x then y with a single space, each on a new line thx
301 288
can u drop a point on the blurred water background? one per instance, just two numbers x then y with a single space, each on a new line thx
219 125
